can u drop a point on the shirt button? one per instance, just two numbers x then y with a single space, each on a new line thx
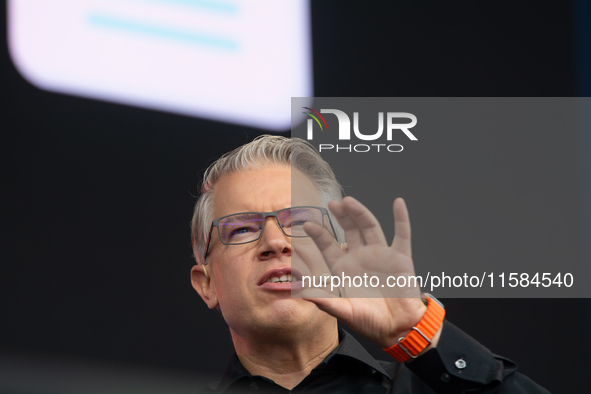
461 364
445 378
253 386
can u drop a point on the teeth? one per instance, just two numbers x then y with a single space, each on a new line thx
285 278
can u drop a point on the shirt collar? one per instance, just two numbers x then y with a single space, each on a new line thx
348 347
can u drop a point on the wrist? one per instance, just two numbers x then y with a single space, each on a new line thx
432 345
409 323
422 336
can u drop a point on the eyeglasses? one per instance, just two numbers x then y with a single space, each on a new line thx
244 227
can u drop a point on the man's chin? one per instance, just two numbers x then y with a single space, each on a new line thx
291 314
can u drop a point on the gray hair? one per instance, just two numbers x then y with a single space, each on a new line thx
265 149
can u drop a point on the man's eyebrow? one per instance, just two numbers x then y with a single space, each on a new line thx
243 216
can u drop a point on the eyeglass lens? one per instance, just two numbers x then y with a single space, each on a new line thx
246 227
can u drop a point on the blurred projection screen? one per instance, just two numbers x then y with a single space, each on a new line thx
237 61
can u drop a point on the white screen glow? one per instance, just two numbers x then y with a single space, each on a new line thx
238 61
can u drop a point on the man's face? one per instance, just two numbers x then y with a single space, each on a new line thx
238 272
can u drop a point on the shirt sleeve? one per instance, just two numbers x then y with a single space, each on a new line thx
459 364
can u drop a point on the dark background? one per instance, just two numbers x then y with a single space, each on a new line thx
97 197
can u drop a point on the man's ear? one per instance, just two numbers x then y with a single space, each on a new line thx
201 282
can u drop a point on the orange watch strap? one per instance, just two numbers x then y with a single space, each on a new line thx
420 335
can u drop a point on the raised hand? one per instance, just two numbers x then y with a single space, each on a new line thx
381 313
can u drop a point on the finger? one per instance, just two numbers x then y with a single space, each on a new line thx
353 235
325 242
401 241
368 224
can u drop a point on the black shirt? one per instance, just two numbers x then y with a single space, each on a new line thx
459 364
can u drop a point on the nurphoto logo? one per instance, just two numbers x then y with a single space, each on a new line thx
344 130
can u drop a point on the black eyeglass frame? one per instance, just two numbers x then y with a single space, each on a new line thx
216 222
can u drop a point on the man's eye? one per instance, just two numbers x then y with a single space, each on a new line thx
244 230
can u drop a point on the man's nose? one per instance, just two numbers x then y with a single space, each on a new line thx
274 242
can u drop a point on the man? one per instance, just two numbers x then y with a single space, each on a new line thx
248 240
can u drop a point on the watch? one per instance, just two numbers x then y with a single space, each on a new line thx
420 336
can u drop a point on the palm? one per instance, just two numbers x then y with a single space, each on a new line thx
377 311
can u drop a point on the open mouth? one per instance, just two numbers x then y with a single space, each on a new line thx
280 276
285 278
